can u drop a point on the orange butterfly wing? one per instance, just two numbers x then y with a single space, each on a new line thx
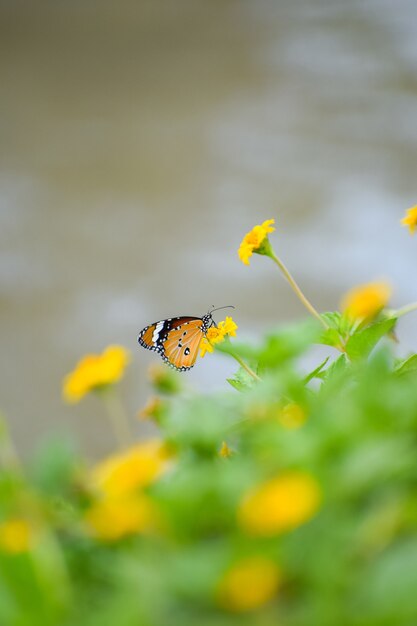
176 339
146 338
182 344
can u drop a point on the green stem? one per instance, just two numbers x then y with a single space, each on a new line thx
408 308
245 367
297 289
117 416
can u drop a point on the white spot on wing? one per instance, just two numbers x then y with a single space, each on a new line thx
155 334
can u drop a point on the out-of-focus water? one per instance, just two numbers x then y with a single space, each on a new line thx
141 140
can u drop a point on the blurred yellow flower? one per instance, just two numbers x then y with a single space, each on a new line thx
280 504
217 334
225 452
95 371
366 301
253 240
15 536
249 584
136 467
292 415
111 519
410 219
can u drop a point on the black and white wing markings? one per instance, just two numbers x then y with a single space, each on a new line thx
176 339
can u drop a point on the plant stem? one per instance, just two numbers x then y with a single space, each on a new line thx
117 416
408 308
245 366
297 290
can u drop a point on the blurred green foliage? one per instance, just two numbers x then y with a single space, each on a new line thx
353 563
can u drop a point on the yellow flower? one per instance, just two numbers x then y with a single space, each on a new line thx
95 371
225 452
249 584
228 327
292 415
111 519
15 536
121 508
205 346
217 334
366 301
280 504
410 219
137 467
253 240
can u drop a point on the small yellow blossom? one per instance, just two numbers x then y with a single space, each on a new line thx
132 469
205 346
249 584
366 301
111 519
225 452
410 219
15 536
292 415
217 334
228 327
253 240
280 504
95 371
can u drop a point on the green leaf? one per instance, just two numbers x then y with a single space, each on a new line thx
407 365
241 381
330 337
315 372
332 318
288 343
364 341
335 368
55 465
340 328
386 588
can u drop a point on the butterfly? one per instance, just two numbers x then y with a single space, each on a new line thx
177 339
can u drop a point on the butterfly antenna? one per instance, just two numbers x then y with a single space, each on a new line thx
230 306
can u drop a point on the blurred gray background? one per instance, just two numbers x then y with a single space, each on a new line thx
141 140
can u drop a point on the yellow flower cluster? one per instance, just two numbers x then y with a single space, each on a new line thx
366 301
249 584
95 371
15 536
137 467
292 415
225 452
217 334
111 519
253 240
280 504
410 219
121 507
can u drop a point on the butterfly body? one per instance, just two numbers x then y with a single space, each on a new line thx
176 339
